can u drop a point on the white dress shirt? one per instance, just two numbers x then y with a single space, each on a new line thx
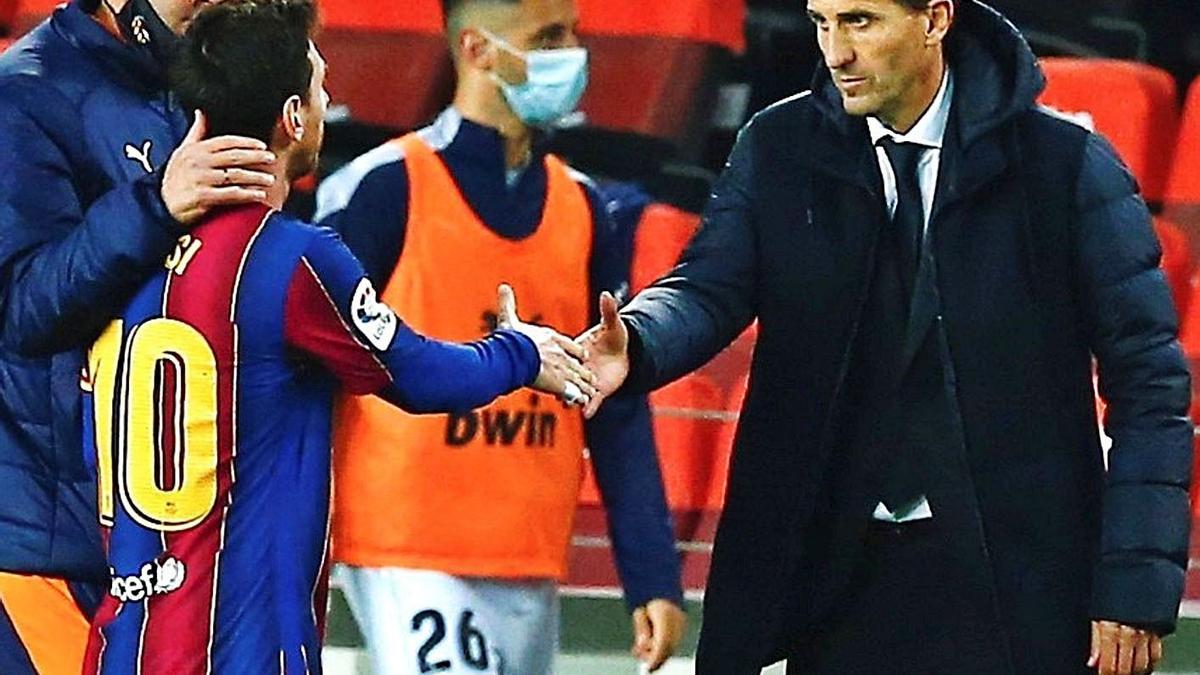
929 131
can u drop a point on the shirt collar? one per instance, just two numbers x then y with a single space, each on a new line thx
456 135
930 130
479 142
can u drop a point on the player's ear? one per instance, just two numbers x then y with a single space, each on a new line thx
293 119
476 49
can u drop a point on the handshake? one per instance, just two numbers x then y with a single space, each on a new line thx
582 371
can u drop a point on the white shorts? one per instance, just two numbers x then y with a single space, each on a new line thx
417 622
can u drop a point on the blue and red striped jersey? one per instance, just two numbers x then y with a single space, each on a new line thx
207 417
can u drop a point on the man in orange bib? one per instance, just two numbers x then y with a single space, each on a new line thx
455 530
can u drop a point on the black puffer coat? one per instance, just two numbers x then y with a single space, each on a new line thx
1046 259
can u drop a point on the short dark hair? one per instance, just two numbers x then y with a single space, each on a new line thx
452 10
922 4
241 60
451 7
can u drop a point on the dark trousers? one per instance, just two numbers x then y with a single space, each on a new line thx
14 658
905 612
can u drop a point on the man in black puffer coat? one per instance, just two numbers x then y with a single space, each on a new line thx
917 483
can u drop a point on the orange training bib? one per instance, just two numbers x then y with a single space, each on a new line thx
490 493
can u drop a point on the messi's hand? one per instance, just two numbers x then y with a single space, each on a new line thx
563 372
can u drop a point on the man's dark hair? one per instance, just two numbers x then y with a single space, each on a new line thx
452 13
241 59
922 4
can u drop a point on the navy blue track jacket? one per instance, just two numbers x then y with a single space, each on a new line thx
85 121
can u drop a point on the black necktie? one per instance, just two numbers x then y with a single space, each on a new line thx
904 480
909 220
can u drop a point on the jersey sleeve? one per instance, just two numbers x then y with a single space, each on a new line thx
333 314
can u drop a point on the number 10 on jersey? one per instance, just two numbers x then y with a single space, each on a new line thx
155 404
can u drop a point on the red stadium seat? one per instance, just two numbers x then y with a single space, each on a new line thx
1182 206
5 43
38 7
1177 262
1132 104
694 420
651 86
30 13
8 16
717 22
693 433
653 63
1189 337
388 61
417 16
661 236
1182 202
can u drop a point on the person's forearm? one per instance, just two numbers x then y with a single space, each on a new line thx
431 376
627 471
675 327
703 304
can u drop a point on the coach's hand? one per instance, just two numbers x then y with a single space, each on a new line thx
657 631
563 373
1123 650
608 352
203 174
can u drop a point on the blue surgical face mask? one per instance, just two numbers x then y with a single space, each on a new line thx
554 82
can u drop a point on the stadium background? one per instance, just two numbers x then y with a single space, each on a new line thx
672 80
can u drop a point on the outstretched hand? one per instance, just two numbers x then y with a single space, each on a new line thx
563 372
607 348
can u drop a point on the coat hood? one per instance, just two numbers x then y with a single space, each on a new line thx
997 75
